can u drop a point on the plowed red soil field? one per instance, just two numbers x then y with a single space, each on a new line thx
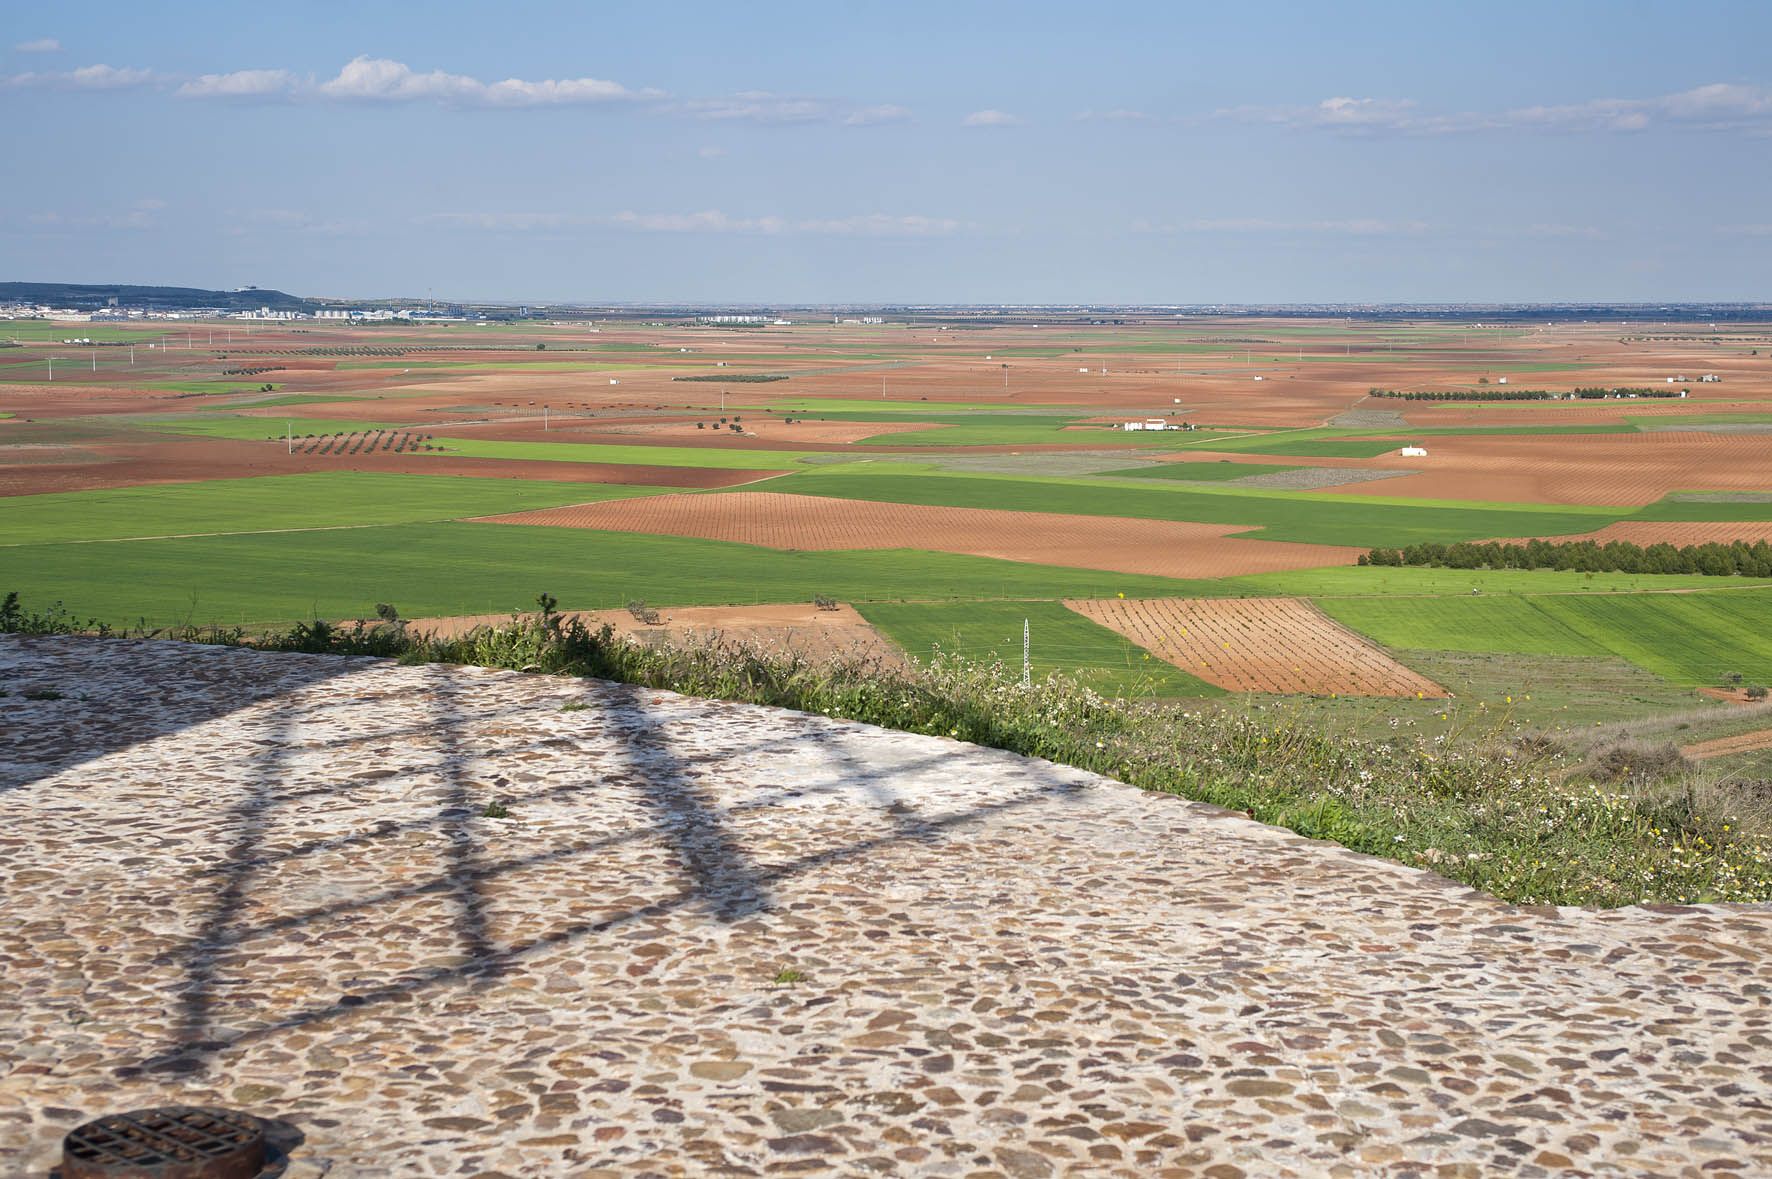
1259 645
775 520
1575 468
803 630
1675 532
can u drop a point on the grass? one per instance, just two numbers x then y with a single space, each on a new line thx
1479 807
1558 694
1341 581
1700 511
1016 429
430 569
1272 515
28 331
252 429
1684 638
651 456
1061 641
330 499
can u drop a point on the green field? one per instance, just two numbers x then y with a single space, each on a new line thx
332 499
1352 581
252 429
1272 515
270 578
1685 638
651 456
1060 640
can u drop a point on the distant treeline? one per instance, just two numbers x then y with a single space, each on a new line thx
1593 393
737 378
1736 559
1469 394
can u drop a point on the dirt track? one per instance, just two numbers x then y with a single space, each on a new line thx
1721 746
780 521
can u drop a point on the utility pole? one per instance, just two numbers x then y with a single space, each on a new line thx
1027 667
544 418
289 436
132 356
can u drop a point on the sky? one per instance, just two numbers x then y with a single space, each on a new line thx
947 152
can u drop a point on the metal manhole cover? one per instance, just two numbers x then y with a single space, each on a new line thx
172 1142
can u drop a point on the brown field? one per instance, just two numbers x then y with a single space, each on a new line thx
772 430
1630 469
780 521
1259 645
803 630
185 460
492 382
1675 532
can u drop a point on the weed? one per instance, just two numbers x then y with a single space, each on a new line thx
1521 820
574 706
43 694
788 976
496 810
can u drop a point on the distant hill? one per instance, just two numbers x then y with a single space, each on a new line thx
93 297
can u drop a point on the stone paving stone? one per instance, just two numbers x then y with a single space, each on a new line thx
714 939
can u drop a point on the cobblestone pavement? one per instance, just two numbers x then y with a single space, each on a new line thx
713 939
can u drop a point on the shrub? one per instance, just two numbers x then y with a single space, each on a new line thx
1756 692
1519 820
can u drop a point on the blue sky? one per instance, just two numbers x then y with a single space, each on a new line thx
955 152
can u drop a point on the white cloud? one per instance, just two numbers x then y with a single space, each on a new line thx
519 222
1717 106
380 79
870 116
139 215
241 84
989 118
293 221
768 107
92 77
881 225
1351 227
40 45
1576 232
1117 115
704 221
758 106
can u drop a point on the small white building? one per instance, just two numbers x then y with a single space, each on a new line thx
1414 452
